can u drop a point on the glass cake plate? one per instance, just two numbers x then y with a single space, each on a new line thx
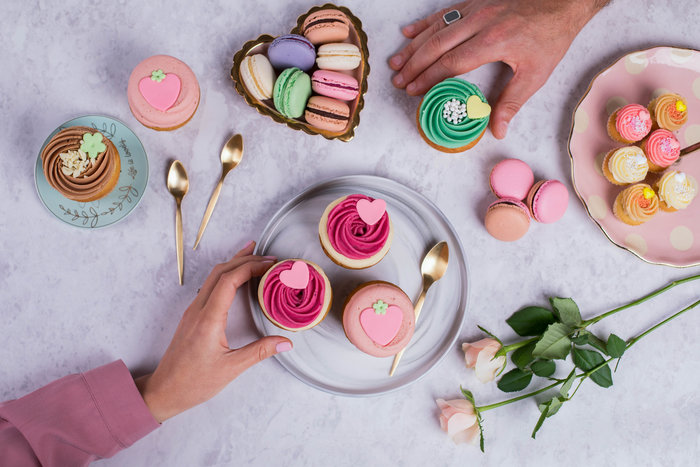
323 357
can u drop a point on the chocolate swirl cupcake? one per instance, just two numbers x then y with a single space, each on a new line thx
81 164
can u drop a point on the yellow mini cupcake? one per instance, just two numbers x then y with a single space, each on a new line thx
636 204
676 190
668 111
625 165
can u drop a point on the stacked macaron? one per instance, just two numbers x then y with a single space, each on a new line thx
293 70
508 218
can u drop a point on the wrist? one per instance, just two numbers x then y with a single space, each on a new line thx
151 398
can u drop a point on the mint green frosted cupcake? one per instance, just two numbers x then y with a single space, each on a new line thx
453 115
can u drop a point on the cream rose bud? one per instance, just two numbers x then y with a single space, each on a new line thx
479 355
458 420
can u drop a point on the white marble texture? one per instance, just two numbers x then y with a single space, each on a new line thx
74 299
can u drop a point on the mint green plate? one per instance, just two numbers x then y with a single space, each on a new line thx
125 195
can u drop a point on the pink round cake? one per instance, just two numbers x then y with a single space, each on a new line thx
629 124
378 319
295 294
163 92
662 149
355 231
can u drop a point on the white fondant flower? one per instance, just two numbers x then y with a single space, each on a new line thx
458 420
479 355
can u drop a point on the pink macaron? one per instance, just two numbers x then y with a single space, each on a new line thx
547 201
335 85
511 178
507 219
327 114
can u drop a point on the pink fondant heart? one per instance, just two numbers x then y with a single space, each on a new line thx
371 211
297 277
161 95
381 328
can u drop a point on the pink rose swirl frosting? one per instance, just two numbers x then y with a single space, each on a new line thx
633 122
293 308
351 236
662 148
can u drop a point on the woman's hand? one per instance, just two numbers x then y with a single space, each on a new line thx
531 36
198 363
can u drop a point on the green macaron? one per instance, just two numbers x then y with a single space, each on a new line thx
292 90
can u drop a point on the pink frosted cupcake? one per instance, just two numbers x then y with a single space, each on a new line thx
163 93
662 149
378 319
295 294
629 124
355 231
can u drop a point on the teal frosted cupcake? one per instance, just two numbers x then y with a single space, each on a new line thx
453 115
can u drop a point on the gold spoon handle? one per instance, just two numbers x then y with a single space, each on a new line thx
178 241
416 309
210 209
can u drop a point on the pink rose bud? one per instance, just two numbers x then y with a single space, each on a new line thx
479 355
458 420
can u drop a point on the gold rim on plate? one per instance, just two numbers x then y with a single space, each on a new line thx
250 48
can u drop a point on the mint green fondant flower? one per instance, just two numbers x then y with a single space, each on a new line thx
380 307
157 75
92 144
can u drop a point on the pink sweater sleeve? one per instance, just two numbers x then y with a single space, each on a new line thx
75 420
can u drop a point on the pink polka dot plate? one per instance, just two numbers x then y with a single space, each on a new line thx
671 239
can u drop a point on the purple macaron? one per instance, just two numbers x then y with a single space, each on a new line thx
292 50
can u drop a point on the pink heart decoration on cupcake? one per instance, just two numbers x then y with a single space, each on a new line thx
381 327
160 94
371 211
297 277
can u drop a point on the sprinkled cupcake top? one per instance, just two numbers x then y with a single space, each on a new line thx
677 189
670 111
446 132
628 165
662 148
633 122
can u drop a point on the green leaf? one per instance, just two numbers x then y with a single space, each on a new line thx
616 346
566 310
589 359
540 421
543 368
523 356
586 337
553 405
515 380
555 342
531 321
566 387
468 395
581 338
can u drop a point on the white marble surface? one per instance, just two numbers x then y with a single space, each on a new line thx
75 299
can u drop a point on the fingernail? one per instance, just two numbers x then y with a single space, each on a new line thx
409 29
283 347
247 244
396 60
398 80
502 129
411 88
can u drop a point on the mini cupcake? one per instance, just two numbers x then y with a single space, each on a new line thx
625 165
453 115
378 318
668 111
81 164
163 93
295 294
355 231
662 149
636 204
676 190
629 124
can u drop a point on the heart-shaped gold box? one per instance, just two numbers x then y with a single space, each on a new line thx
259 45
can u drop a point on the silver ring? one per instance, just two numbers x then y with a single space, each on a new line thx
451 17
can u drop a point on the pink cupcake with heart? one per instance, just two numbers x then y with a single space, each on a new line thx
295 294
355 231
163 93
378 319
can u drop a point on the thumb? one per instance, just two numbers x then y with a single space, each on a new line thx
257 351
520 88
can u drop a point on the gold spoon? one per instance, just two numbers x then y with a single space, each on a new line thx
432 268
231 155
178 185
